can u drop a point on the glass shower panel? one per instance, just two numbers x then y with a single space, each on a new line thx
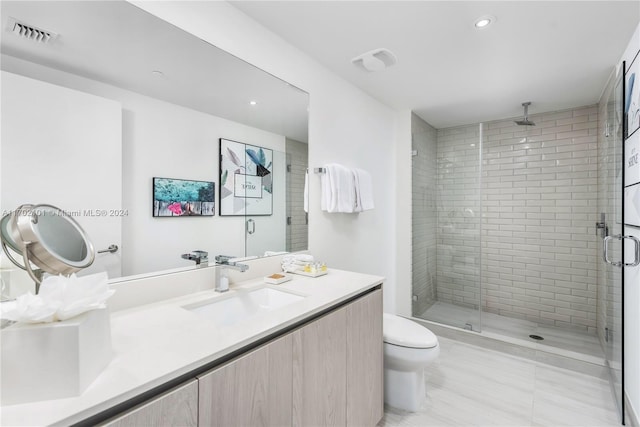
613 202
610 152
447 208
265 198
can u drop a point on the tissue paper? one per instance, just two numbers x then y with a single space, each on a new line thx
60 298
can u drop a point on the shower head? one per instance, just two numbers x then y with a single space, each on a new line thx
525 121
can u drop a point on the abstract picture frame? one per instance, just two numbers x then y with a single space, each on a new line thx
246 179
632 97
182 197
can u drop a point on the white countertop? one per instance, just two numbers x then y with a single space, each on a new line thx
159 342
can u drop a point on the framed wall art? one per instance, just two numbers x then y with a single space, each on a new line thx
632 97
246 179
181 197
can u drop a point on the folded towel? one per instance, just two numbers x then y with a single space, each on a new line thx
325 192
338 189
304 258
364 190
287 268
295 262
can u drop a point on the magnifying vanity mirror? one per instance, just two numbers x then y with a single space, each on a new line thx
46 237
101 97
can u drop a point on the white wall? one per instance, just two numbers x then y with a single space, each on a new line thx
175 142
54 138
166 140
404 202
345 126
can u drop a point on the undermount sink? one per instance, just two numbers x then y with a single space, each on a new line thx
243 305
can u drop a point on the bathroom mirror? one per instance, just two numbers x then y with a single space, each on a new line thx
100 97
46 237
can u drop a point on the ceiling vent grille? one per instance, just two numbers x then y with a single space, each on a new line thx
375 60
30 32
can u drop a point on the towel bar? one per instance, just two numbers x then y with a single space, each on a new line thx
319 170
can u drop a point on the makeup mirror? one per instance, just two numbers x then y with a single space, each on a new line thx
46 237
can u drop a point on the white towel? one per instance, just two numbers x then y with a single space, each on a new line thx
297 258
325 192
295 262
338 189
364 190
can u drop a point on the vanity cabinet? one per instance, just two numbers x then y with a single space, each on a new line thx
327 372
319 371
253 390
177 407
365 360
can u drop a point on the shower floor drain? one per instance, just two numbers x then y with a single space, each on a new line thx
536 337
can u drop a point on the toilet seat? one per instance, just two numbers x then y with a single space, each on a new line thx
405 333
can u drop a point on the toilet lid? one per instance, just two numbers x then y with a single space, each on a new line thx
405 333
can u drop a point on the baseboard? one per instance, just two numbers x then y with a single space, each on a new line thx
630 415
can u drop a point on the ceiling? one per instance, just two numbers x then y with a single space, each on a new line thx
556 54
119 44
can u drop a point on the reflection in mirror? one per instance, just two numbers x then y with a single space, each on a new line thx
123 97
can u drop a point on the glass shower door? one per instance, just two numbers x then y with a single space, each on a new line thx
265 201
610 201
447 212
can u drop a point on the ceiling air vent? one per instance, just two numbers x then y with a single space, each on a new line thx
375 60
30 32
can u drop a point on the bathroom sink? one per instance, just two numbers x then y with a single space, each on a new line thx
243 305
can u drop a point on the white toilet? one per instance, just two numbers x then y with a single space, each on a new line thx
408 349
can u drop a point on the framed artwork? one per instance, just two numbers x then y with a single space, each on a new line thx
632 205
246 179
632 160
181 197
632 97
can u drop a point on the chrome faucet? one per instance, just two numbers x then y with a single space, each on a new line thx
200 257
223 262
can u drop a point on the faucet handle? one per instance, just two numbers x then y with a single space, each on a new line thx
223 259
200 257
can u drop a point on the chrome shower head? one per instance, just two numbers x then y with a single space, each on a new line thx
525 121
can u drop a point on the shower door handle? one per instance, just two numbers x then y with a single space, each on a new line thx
636 244
636 251
251 226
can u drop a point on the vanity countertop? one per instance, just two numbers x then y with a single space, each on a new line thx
159 342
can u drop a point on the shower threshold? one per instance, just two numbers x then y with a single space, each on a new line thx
570 349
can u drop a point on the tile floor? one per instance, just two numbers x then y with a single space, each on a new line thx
473 386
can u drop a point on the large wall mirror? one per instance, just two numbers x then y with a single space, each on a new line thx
100 97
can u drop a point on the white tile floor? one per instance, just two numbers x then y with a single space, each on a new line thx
473 386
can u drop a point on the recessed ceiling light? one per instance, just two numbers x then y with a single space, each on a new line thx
484 21
253 102
157 73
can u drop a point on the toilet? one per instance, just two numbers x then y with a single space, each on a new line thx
408 349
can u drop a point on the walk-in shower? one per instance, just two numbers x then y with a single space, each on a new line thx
504 239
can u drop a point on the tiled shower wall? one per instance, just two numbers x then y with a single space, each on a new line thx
459 216
424 214
539 205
